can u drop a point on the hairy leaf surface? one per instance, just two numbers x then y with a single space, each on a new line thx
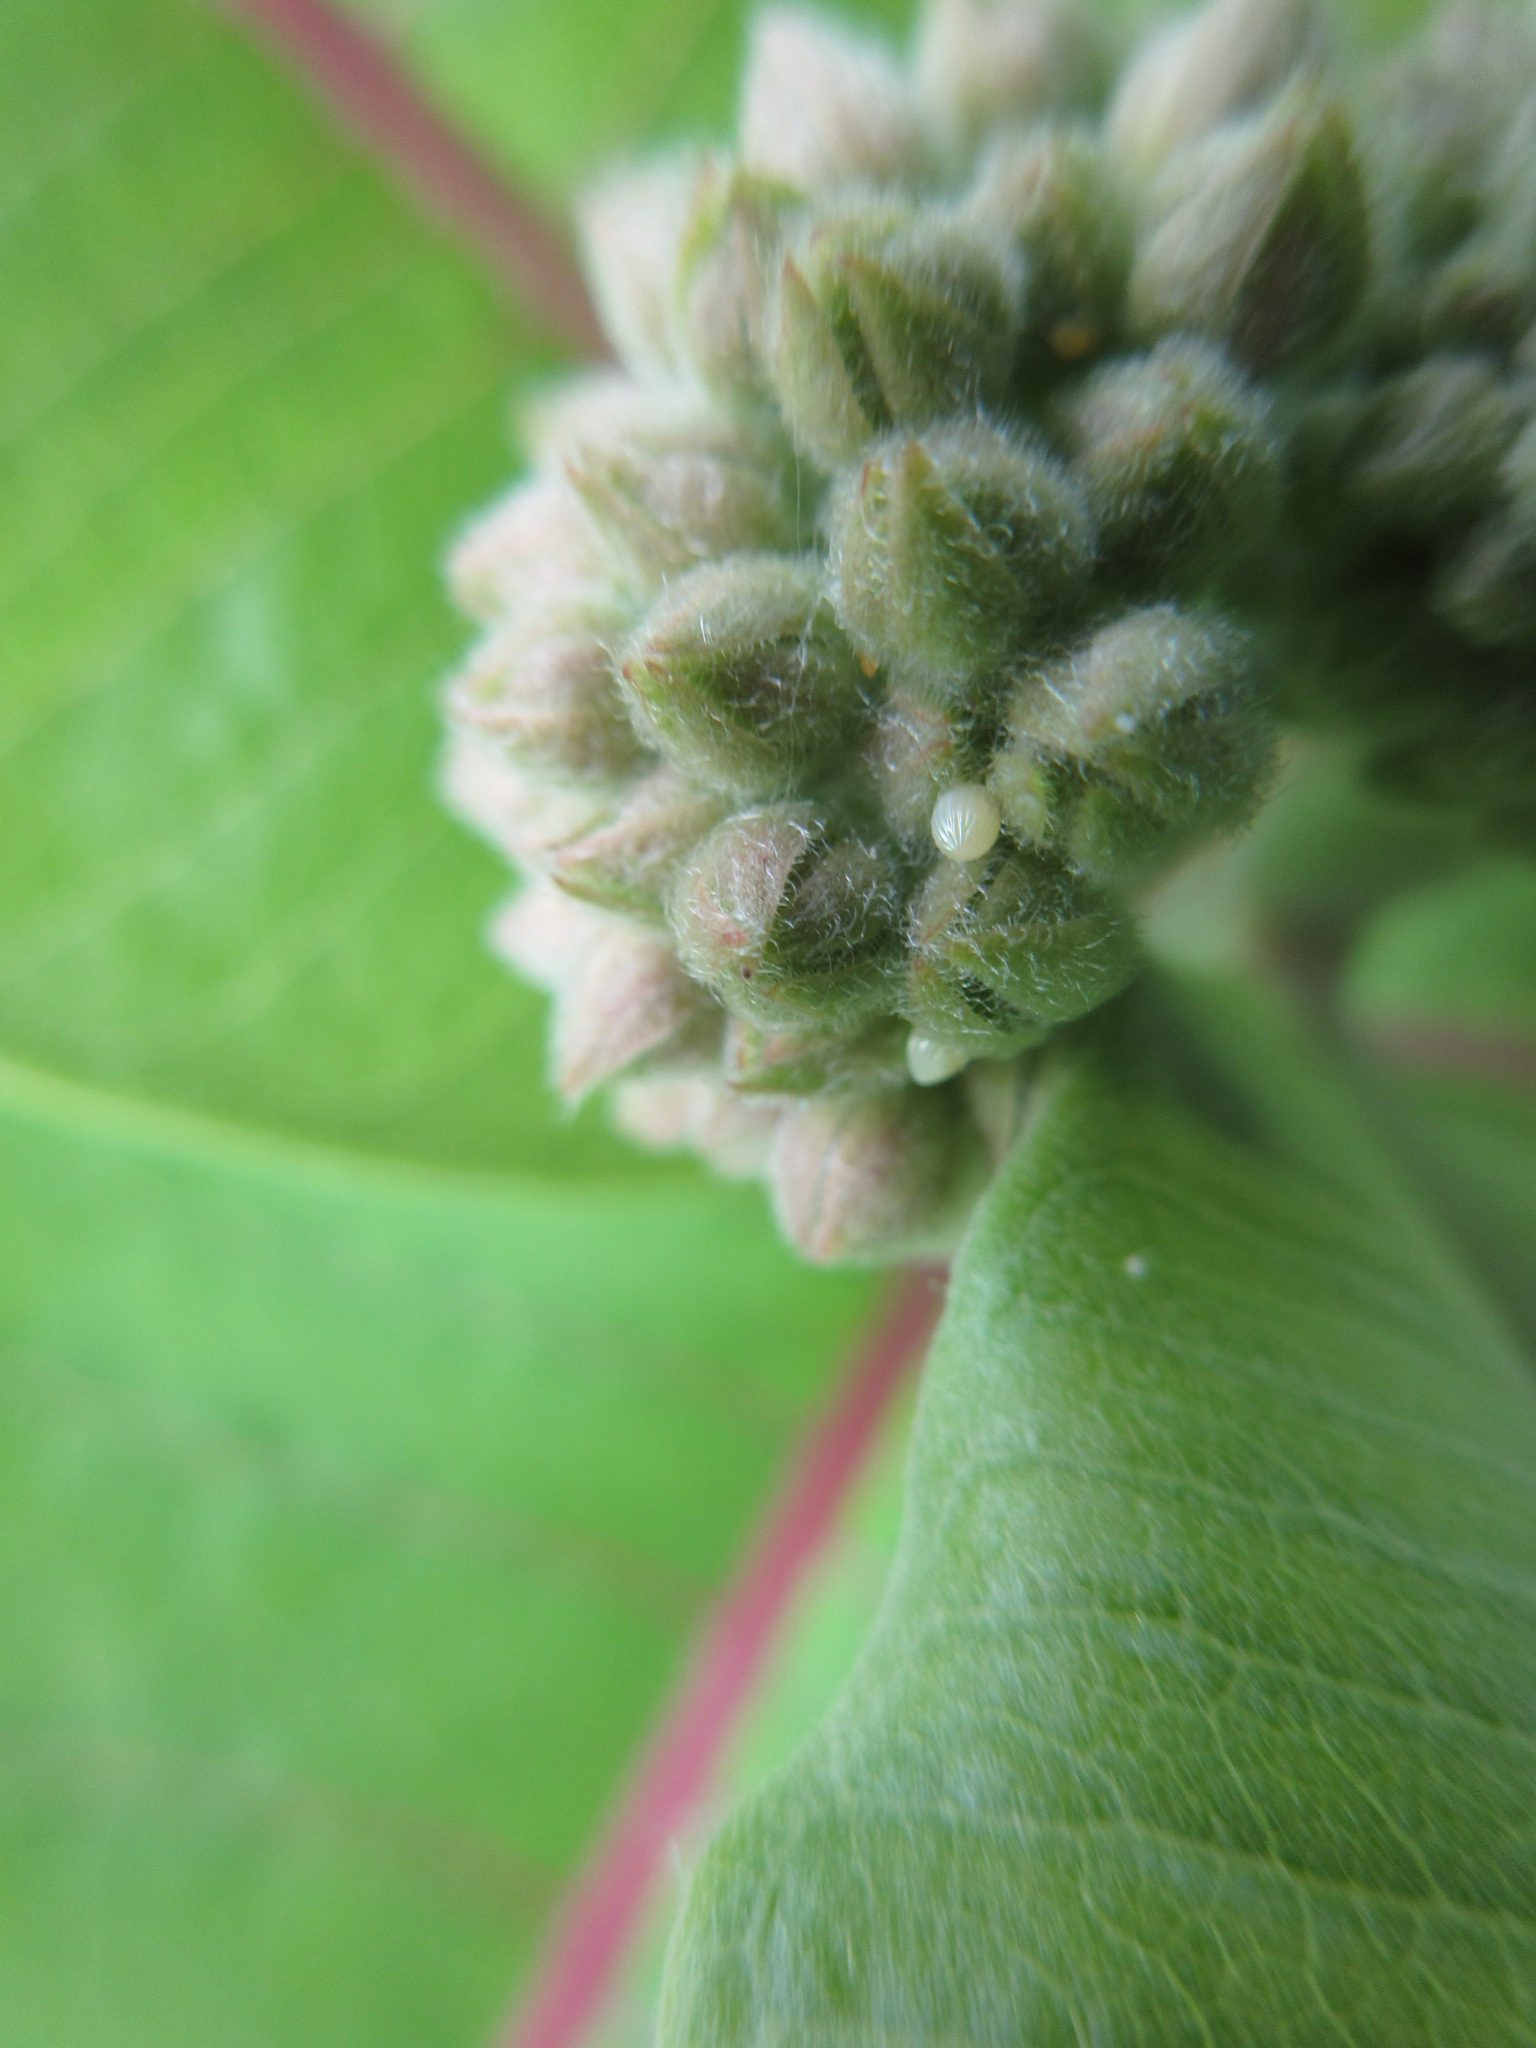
1203 1705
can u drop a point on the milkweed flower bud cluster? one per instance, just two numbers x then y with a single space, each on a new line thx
1002 445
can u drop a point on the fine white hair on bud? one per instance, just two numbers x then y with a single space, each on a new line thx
823 106
1007 446
965 822
1205 67
987 63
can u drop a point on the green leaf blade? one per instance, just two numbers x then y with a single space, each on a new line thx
1203 1705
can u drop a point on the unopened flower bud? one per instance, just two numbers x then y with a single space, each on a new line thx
726 278
1201 70
545 936
795 1059
632 225
1054 192
950 552
1177 455
1433 445
674 484
918 748
1006 948
625 860
1264 245
981 63
739 675
523 816
889 318
871 1177
823 106
1487 591
1157 718
781 919
668 1111
624 1004
534 543
542 689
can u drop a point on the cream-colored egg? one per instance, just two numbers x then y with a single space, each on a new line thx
930 1060
965 821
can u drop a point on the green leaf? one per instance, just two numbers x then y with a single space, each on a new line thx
1441 992
372 1437
1203 1705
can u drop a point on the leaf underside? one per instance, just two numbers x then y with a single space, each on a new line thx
1202 1707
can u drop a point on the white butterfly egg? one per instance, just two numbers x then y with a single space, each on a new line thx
930 1060
965 821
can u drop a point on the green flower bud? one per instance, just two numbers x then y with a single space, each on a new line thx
890 318
781 919
822 106
1155 736
1178 457
670 483
726 273
777 1059
542 689
632 225
1006 948
1487 591
1206 67
1485 292
739 676
918 748
872 1177
1263 241
1433 445
951 552
981 63
1053 192
626 860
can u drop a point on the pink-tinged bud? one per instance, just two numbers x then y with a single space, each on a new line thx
740 677
1205 68
671 1112
543 690
784 921
983 63
671 483
891 317
1005 948
870 1178
779 1059
523 816
535 543
544 936
729 267
822 106
1178 457
632 226
1264 241
625 861
625 1003
919 748
1055 194
951 552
